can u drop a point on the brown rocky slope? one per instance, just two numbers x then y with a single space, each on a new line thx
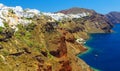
40 46
93 23
48 46
114 17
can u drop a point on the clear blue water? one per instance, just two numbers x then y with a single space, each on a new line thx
105 53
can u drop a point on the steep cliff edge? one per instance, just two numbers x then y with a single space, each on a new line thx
114 17
34 41
93 22
40 47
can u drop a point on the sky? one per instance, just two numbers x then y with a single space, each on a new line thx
100 6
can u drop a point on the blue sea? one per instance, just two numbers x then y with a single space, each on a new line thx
105 51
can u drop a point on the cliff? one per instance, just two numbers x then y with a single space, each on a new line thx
40 47
114 17
34 41
76 10
93 22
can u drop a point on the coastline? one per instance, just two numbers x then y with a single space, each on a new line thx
89 49
95 69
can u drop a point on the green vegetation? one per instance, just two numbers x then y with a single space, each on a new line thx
11 11
1 29
5 53
30 27
6 24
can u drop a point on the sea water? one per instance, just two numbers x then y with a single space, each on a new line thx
105 53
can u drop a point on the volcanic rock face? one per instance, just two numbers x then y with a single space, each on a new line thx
92 23
39 49
45 43
114 17
76 10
